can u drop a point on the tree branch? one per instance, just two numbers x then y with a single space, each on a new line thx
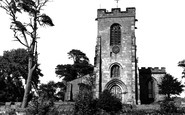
33 68
4 7
20 41
25 39
41 4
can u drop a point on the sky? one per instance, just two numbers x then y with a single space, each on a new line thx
160 35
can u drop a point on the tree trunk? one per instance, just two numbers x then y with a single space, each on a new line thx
28 83
168 96
31 65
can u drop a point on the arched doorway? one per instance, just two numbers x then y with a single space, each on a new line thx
118 88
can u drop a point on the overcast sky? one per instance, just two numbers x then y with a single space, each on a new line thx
160 34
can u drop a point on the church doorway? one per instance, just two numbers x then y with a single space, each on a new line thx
116 90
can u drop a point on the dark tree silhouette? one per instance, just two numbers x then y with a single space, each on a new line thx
108 102
52 91
14 68
79 68
48 90
26 32
170 86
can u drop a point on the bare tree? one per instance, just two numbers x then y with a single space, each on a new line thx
25 32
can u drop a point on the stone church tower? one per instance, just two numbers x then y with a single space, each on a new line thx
115 54
115 63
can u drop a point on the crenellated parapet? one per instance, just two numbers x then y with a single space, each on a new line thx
153 70
116 13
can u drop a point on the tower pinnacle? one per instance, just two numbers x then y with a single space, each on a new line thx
117 2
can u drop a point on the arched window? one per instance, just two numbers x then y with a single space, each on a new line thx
115 34
115 71
151 89
116 90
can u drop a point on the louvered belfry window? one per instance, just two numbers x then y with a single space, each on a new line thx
115 35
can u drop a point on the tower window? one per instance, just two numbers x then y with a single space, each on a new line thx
115 34
115 71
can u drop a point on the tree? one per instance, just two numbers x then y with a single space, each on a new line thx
66 71
14 68
27 31
170 86
78 56
79 68
52 90
108 102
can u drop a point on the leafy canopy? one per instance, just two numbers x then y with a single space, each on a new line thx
15 63
52 90
79 68
14 68
170 86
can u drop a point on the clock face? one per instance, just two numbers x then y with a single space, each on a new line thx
115 49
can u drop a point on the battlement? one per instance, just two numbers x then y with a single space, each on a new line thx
153 70
116 13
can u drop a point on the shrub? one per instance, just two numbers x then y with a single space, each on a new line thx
84 102
41 106
168 106
109 102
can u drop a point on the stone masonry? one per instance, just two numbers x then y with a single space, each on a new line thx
105 58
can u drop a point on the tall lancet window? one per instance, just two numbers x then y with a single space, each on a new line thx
115 71
115 34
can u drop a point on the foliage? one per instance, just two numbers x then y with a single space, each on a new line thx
67 71
60 94
109 102
170 86
168 106
49 90
79 68
25 32
78 56
14 68
84 102
41 105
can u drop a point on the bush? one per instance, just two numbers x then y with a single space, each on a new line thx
41 106
84 102
109 102
168 106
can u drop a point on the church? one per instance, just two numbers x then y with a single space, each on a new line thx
116 64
